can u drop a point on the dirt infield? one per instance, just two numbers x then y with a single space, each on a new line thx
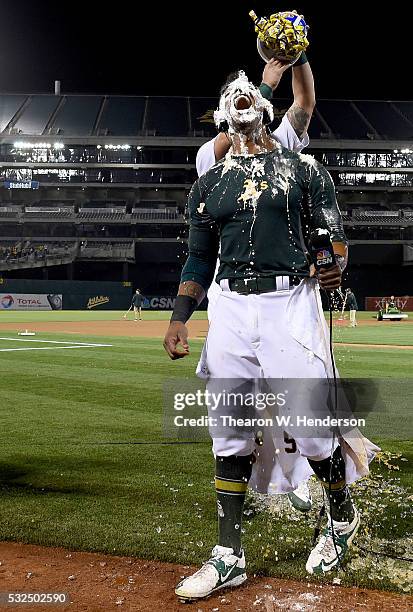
383 346
373 321
97 582
142 329
131 329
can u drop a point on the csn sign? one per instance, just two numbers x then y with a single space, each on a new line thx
159 303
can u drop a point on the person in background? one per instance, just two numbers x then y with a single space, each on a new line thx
137 305
391 303
352 306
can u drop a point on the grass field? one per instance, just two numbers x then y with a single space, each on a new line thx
80 315
84 464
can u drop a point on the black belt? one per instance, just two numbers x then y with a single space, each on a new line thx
259 284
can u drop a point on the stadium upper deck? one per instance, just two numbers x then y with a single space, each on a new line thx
88 118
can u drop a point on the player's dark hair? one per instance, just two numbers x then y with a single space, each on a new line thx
230 79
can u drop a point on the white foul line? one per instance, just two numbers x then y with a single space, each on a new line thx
52 348
72 345
54 341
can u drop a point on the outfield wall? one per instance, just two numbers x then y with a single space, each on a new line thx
402 302
75 295
30 301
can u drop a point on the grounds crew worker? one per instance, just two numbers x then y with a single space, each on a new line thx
352 306
137 303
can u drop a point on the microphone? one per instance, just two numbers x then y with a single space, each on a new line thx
321 249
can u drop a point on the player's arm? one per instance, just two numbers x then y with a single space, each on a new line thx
325 214
197 273
222 145
299 114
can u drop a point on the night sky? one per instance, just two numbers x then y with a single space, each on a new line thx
145 49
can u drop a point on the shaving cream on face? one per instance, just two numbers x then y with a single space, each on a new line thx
239 119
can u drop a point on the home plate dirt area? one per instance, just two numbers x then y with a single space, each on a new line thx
96 582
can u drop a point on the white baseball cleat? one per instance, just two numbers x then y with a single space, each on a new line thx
300 498
224 569
323 557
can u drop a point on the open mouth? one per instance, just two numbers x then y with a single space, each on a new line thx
242 103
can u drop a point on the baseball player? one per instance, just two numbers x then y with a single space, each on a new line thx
292 134
267 324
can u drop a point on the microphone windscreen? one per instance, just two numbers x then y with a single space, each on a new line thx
321 249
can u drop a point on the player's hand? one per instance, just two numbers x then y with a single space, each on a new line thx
176 335
273 71
330 278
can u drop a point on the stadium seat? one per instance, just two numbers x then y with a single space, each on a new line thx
77 116
168 116
385 120
342 119
122 116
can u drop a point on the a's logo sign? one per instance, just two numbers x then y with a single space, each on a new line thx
97 301
7 301
324 257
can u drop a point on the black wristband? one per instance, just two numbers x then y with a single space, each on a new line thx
301 60
184 307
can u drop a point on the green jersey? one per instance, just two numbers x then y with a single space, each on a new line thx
260 210
351 301
137 300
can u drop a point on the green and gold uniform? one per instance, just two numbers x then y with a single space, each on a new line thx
259 209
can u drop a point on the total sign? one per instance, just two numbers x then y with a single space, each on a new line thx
25 301
7 302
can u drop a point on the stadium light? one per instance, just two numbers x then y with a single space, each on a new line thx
123 147
58 145
32 145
